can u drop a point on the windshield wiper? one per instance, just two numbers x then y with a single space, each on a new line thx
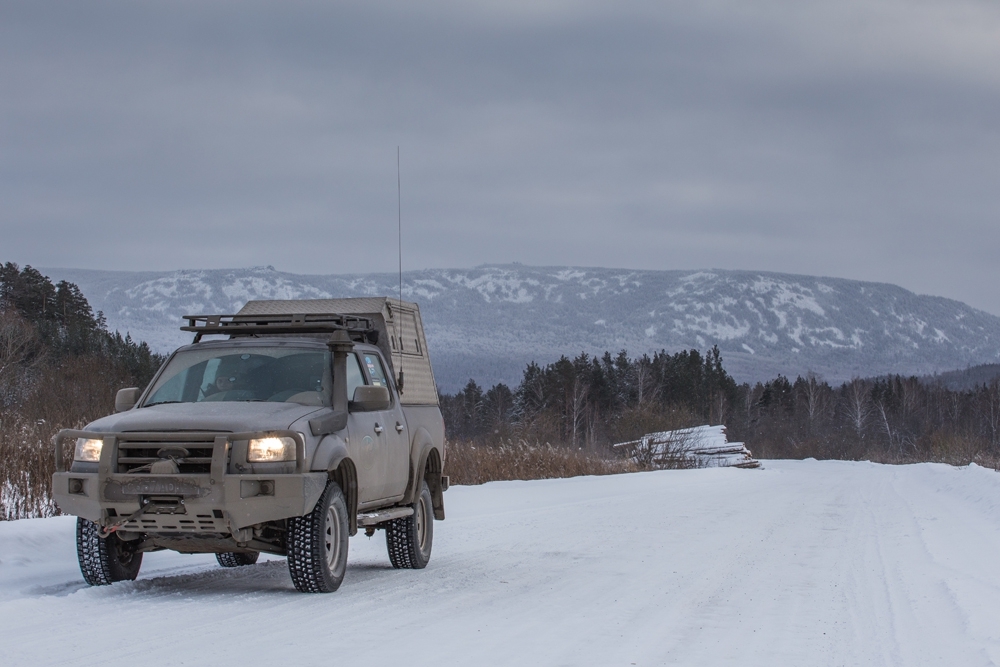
149 405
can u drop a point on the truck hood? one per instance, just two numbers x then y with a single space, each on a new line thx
232 417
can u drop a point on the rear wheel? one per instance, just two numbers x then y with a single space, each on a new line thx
409 539
237 559
317 544
105 560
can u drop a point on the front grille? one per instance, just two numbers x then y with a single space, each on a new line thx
136 452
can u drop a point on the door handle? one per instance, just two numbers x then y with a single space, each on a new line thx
378 429
399 427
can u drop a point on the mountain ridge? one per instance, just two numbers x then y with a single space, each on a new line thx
487 322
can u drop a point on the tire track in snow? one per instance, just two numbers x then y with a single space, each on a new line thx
704 567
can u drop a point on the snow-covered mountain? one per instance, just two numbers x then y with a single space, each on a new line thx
487 323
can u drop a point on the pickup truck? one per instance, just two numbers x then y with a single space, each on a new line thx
282 429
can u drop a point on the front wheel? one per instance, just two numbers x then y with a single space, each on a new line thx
317 544
410 538
105 560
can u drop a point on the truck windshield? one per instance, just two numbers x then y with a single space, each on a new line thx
279 374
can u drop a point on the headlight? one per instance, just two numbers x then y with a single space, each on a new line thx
271 449
88 450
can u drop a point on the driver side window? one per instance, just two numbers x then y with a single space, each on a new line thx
355 378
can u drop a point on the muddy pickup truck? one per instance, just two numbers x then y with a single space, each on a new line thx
282 429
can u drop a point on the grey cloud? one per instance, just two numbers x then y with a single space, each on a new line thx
847 139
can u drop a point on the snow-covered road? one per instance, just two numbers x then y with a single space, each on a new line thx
802 563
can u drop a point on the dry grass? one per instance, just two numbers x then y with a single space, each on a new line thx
67 395
941 446
26 467
469 463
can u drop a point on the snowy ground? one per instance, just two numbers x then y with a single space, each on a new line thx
802 563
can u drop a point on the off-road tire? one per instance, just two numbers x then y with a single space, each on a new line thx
317 544
105 560
409 539
237 559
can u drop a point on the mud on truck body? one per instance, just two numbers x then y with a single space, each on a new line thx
285 434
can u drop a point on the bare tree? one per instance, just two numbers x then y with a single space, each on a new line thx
751 399
858 405
813 398
18 344
880 407
719 409
577 405
910 392
643 373
990 411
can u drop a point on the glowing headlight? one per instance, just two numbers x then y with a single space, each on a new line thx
88 450
271 449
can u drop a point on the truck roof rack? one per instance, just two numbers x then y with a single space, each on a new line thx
360 329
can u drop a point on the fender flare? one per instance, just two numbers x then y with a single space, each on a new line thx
426 463
332 457
329 453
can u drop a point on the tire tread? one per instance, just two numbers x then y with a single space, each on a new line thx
305 546
98 563
399 543
402 541
236 559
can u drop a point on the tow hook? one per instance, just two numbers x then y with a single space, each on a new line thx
105 532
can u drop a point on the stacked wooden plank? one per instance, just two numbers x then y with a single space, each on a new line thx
695 447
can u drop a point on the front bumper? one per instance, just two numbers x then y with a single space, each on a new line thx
211 503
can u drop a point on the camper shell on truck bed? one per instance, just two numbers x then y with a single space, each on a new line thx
401 335
285 436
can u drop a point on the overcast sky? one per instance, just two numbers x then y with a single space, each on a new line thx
840 138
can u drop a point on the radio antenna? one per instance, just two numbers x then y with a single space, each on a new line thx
399 236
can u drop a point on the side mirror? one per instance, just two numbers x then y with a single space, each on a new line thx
126 399
369 398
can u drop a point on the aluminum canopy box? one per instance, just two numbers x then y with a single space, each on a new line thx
401 335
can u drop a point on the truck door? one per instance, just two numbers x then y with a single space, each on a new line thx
397 439
366 440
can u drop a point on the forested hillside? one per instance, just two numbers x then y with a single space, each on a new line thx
59 367
591 403
965 378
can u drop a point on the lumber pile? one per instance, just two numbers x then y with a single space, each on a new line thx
695 447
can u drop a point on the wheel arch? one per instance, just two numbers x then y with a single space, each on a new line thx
332 456
433 467
331 451
345 475
426 464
